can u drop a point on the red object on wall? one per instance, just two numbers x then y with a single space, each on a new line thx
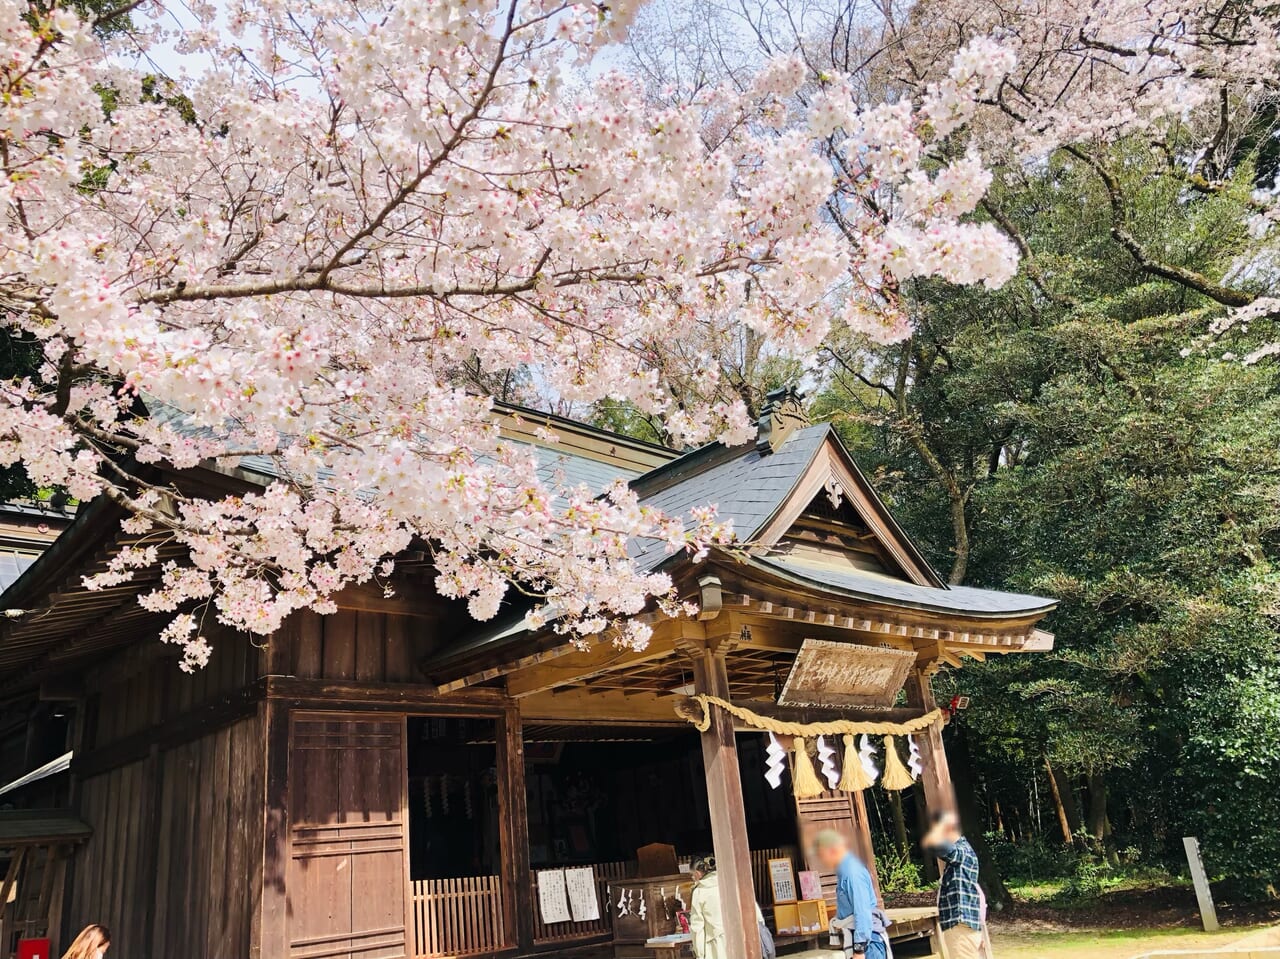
33 949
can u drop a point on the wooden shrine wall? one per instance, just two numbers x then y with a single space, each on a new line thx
174 863
353 645
142 689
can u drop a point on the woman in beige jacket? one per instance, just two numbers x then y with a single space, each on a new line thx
706 921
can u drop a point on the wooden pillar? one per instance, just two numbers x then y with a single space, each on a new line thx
862 841
513 802
728 813
939 793
270 933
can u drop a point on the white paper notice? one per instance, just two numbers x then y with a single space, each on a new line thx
581 886
552 897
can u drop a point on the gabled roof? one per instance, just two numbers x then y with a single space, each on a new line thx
584 455
748 487
751 488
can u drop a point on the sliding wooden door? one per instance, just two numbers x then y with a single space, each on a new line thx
346 876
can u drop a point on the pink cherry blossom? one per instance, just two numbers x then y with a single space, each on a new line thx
286 257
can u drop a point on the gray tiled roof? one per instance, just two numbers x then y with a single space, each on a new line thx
573 470
12 565
553 464
747 489
872 586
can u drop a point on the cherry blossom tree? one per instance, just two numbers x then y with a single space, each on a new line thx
290 249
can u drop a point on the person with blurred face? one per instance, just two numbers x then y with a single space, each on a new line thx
856 906
706 922
92 943
960 899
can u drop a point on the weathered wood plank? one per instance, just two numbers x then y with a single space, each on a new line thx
399 654
270 940
371 640
340 645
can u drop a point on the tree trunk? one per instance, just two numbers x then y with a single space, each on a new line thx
899 823
971 819
1097 807
1064 789
957 496
1064 822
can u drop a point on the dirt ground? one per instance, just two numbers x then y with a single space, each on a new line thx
1129 923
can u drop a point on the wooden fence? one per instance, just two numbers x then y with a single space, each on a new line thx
458 917
602 928
463 917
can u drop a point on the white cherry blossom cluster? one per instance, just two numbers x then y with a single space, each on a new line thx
279 261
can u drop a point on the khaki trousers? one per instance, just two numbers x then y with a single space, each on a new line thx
962 942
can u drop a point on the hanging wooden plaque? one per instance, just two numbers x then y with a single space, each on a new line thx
827 673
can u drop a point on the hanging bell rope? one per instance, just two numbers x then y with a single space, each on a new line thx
782 727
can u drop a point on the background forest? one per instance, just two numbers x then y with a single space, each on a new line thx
1072 435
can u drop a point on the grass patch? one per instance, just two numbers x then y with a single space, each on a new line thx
1106 944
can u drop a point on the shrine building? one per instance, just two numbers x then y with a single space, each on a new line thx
397 780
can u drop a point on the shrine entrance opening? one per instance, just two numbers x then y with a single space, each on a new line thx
459 900
597 794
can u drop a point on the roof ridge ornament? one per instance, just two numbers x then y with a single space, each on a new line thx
781 416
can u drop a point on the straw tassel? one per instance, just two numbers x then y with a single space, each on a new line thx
804 780
895 774
853 778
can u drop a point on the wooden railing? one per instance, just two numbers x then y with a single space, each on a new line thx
464 917
458 917
602 928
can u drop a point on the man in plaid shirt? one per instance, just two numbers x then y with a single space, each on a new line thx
960 900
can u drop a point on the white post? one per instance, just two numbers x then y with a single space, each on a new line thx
1204 897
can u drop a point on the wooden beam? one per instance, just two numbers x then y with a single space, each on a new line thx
728 815
336 694
407 599
15 867
689 708
611 709
603 657
269 935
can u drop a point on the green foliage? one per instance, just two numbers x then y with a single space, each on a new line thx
1035 860
898 873
1101 462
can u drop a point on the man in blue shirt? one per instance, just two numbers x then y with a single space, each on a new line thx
855 895
960 900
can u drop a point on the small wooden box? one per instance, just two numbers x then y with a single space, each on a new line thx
663 897
800 918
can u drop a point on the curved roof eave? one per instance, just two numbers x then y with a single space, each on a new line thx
967 601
